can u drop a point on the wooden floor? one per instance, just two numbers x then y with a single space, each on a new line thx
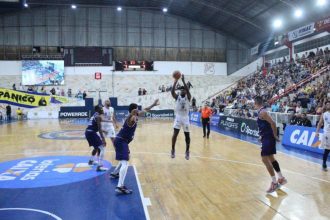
224 179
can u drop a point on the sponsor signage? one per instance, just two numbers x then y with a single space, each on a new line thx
215 120
323 24
160 114
254 50
302 138
121 113
301 32
195 116
239 125
49 171
83 114
24 99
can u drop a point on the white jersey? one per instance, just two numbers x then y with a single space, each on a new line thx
182 106
326 122
108 113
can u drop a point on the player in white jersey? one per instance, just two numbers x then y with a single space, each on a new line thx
109 121
325 142
181 115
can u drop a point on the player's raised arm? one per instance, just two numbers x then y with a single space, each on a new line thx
186 88
174 95
264 115
142 113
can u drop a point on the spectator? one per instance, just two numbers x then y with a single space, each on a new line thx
295 120
1 116
84 95
19 113
8 112
193 103
163 88
69 93
305 121
140 91
144 92
276 107
299 108
58 91
62 92
43 90
21 88
14 86
52 91
247 113
30 89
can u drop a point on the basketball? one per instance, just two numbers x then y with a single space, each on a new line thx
176 74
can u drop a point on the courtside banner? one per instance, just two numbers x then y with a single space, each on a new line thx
301 32
303 138
215 120
195 116
23 99
168 113
239 125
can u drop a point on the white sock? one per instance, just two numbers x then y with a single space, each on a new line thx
100 159
279 174
116 170
122 173
274 179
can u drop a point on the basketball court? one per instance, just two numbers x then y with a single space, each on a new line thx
224 179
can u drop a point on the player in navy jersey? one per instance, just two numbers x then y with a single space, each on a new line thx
123 138
268 138
95 138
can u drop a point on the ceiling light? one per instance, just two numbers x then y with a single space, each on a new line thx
26 5
298 13
164 10
73 6
119 8
277 23
321 2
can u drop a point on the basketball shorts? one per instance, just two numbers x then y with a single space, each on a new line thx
268 146
122 149
325 142
182 122
93 139
108 130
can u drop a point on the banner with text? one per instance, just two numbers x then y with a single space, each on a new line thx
323 25
254 50
303 138
168 113
301 32
23 99
239 125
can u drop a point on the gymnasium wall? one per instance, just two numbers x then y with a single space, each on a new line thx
133 34
206 78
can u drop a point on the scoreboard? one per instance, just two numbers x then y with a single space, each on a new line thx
134 65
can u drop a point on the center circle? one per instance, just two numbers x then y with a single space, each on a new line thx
64 135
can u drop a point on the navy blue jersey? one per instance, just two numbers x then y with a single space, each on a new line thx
127 132
92 124
265 129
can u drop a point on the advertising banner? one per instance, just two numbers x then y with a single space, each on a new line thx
240 125
215 120
195 116
74 114
254 50
23 99
302 137
168 113
301 32
323 24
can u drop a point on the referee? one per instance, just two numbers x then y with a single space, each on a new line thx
206 115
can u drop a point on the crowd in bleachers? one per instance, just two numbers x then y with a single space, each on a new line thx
273 83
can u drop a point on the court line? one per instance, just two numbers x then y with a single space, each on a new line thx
33 210
143 199
192 156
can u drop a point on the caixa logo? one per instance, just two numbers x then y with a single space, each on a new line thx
306 138
45 171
